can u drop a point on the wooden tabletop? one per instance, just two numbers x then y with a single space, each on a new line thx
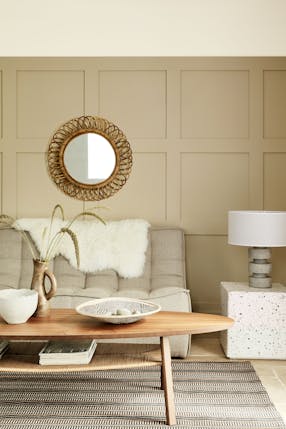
68 324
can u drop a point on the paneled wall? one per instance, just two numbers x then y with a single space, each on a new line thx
208 135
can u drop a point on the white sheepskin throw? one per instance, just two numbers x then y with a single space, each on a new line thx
118 245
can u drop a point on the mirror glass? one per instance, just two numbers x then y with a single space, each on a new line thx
89 158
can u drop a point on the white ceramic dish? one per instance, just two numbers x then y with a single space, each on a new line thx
17 305
104 309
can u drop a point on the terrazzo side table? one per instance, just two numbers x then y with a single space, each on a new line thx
259 331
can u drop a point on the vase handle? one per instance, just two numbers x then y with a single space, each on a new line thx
53 282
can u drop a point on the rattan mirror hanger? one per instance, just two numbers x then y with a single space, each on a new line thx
88 141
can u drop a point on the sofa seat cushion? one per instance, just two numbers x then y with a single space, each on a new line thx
170 299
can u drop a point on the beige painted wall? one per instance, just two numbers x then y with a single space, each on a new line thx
208 135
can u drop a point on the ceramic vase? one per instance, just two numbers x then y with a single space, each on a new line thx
38 283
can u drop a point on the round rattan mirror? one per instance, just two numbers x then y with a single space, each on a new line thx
89 158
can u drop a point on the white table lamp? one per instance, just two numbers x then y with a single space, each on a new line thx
259 230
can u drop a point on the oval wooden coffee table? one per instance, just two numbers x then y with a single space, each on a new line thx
67 324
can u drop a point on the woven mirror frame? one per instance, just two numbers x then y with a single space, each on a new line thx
68 184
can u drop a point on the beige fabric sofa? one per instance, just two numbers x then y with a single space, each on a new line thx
163 280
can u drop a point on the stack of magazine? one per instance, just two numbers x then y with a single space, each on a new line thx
67 352
4 345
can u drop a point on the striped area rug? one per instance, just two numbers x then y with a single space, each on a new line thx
207 395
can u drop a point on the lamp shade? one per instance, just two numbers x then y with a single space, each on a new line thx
257 228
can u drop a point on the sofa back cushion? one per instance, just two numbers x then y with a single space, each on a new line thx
168 258
10 258
164 268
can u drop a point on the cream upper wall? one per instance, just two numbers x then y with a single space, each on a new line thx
143 28
208 135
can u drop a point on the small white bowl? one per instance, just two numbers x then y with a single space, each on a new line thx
102 309
17 305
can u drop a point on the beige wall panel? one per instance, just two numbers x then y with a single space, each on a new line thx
278 264
1 106
209 261
46 99
214 104
135 101
274 108
1 181
212 184
144 195
274 181
36 193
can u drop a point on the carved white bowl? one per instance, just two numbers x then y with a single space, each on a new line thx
102 309
17 305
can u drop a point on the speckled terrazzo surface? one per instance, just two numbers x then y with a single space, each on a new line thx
259 331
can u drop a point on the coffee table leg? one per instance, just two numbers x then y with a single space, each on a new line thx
167 381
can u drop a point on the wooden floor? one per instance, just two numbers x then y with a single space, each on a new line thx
204 348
